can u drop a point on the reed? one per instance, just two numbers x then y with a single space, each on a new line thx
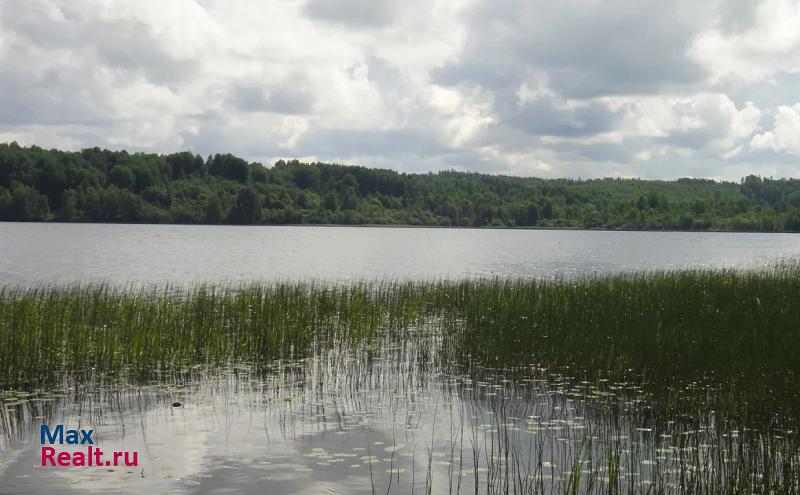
655 382
50 331
736 332
732 331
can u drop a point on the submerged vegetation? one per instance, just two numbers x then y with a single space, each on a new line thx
640 383
97 185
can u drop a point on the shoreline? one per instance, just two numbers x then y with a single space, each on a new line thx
406 226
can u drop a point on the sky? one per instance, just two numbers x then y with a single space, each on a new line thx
543 88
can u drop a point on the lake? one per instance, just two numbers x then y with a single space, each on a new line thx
38 253
387 387
399 419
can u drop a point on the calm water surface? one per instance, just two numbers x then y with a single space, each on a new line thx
43 253
395 417
403 414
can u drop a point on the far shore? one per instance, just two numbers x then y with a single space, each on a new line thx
406 226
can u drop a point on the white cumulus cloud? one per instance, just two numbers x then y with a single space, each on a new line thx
785 134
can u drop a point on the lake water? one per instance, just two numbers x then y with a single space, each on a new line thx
399 416
410 411
37 253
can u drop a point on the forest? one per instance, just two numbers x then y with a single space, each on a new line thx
97 185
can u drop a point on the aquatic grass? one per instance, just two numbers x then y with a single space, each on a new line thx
54 330
733 330
529 429
731 334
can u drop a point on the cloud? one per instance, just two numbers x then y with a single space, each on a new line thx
785 135
709 122
549 117
291 96
110 39
571 88
359 13
369 142
586 48
770 45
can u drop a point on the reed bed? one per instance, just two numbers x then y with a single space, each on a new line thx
50 331
663 382
732 333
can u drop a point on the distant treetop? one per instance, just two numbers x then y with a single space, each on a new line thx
95 185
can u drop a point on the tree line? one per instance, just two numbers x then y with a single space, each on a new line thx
96 185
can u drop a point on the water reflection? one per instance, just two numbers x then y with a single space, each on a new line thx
394 416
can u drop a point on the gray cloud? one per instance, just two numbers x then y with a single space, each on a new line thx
569 88
212 129
287 97
543 118
357 13
38 93
599 152
586 48
125 44
352 142
736 15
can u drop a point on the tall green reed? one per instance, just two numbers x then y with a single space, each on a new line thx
731 331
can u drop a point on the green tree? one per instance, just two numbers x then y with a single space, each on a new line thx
122 176
214 213
185 164
331 203
69 206
792 223
259 174
307 177
549 211
5 203
28 204
230 167
248 207
103 185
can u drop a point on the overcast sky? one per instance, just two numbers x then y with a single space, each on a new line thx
654 89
